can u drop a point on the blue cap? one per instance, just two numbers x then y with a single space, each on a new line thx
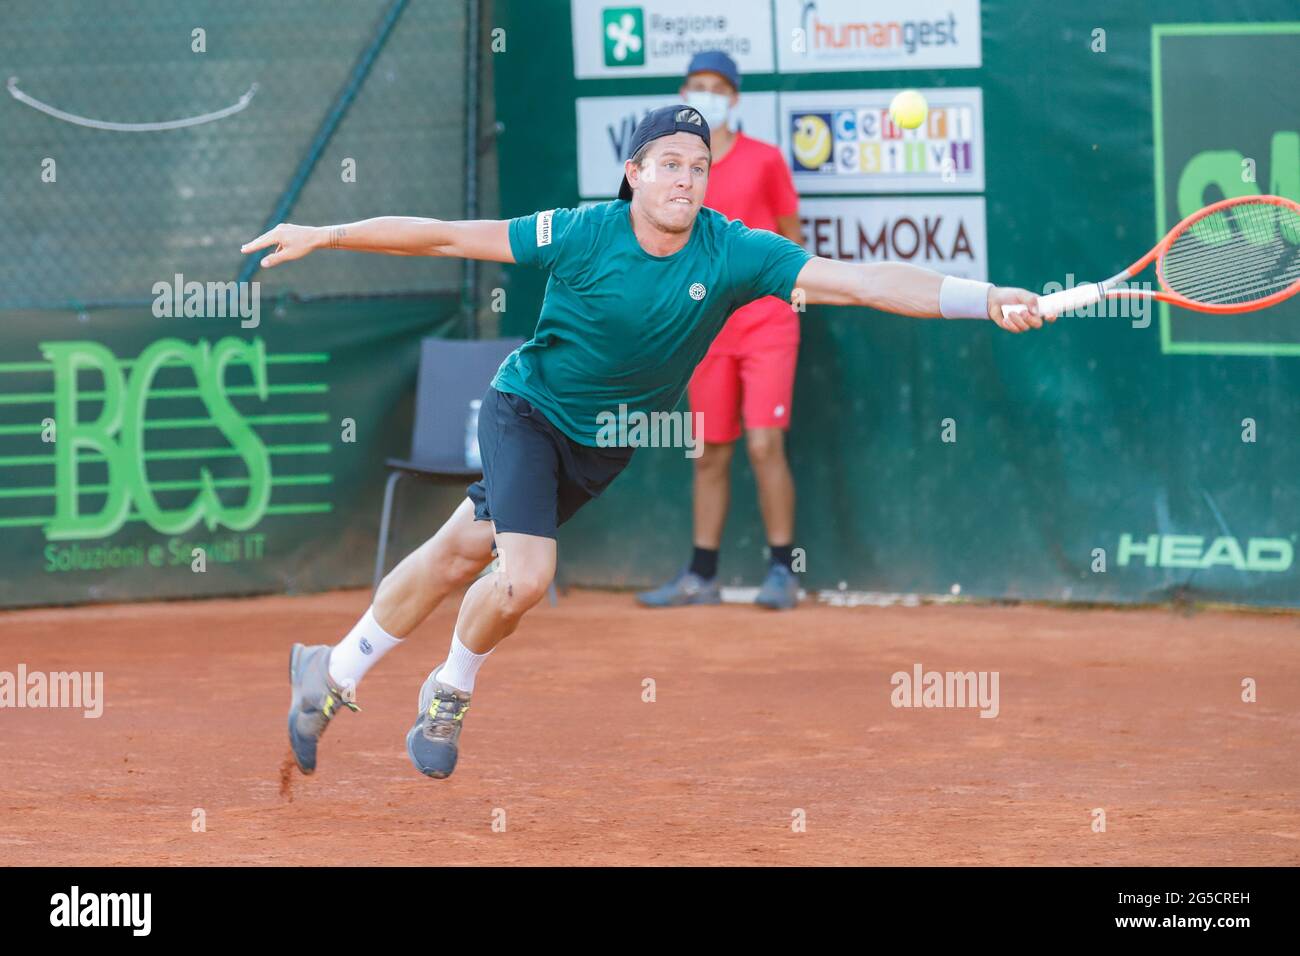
664 122
715 61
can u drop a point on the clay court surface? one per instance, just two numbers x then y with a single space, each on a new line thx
757 714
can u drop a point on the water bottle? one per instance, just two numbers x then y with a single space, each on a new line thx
472 457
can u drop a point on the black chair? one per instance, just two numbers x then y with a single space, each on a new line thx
452 374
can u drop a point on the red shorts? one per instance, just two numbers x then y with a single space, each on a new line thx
758 384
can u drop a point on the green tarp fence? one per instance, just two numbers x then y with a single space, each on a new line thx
1166 447
139 147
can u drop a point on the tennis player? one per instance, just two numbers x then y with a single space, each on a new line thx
748 372
638 289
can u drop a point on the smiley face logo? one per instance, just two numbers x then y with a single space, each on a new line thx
811 140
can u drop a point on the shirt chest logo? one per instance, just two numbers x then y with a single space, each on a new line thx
697 291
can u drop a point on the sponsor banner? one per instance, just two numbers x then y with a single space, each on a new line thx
659 37
605 125
821 35
845 142
1237 136
146 458
946 234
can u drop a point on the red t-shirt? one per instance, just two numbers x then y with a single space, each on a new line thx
753 184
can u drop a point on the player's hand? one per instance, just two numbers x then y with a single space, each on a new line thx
290 241
1020 320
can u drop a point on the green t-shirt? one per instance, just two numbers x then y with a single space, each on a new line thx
619 326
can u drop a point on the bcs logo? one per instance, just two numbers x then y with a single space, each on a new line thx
117 436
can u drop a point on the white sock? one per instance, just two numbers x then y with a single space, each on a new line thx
360 651
461 667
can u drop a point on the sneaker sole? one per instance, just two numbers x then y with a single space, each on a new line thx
410 752
295 658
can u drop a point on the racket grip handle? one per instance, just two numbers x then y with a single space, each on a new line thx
1066 300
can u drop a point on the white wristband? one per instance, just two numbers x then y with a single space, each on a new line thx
964 298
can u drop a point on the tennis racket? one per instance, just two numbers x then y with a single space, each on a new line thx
1233 256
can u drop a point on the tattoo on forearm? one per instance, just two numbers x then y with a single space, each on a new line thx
336 237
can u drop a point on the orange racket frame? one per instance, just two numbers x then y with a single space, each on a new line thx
1084 295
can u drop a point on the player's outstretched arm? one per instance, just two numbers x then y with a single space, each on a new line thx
912 290
392 235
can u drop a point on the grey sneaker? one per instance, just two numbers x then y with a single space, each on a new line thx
686 588
780 590
316 699
432 743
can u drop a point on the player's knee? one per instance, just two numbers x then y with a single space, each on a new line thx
765 446
521 588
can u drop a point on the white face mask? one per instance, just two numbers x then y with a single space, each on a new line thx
714 107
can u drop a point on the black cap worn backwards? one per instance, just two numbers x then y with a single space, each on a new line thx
664 122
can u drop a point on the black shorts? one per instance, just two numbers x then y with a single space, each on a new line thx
535 477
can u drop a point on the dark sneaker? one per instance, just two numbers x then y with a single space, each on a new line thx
316 699
432 743
686 588
780 590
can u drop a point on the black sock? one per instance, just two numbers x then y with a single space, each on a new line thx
782 554
704 562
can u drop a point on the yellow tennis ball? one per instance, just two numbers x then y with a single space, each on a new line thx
908 109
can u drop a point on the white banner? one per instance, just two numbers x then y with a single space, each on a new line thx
605 125
943 233
659 37
844 142
820 35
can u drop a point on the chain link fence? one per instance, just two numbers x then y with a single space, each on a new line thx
148 138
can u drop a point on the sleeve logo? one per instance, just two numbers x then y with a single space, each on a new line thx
544 227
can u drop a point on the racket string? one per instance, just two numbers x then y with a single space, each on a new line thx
1195 277
1229 289
1241 254
1214 253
